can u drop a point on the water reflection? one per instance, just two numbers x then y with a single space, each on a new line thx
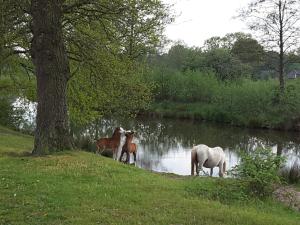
164 145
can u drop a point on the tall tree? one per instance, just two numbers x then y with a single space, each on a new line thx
226 42
248 50
51 63
277 23
61 37
138 31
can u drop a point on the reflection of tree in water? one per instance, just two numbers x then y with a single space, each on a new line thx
149 160
189 133
159 136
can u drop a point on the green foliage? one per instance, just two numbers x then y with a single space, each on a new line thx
119 91
104 42
103 52
200 95
6 112
248 50
225 65
14 112
13 87
185 86
225 42
260 169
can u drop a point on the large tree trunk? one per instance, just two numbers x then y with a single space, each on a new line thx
52 72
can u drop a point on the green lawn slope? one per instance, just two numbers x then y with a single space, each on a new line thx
82 188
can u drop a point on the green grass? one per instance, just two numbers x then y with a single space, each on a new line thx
82 188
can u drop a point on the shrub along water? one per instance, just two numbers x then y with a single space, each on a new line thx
243 102
260 170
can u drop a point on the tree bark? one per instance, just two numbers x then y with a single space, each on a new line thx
281 51
52 68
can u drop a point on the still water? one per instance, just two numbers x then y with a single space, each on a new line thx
164 145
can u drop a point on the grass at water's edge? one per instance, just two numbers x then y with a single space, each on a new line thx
82 188
209 112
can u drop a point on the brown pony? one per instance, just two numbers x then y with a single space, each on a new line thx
112 143
128 147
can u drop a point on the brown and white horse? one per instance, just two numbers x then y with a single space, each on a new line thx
111 143
128 147
203 155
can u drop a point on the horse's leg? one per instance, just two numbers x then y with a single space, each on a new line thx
127 157
115 154
122 152
224 167
134 156
221 174
192 164
199 165
211 171
192 168
97 149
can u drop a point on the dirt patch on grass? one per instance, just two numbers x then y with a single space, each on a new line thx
289 196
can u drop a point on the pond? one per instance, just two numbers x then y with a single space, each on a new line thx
164 145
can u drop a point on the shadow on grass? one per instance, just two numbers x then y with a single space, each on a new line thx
28 153
17 154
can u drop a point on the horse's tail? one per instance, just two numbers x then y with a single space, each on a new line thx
193 161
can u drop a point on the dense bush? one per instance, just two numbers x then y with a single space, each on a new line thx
260 169
185 86
242 102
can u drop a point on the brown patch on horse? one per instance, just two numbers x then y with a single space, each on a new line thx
128 147
112 143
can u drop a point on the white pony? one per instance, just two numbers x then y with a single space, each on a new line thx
203 155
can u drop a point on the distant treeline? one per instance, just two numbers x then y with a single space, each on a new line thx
230 79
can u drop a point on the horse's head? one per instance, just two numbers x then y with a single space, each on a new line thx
119 130
129 133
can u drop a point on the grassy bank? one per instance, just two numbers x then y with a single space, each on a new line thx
82 188
215 113
244 102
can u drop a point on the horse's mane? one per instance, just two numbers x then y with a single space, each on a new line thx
115 131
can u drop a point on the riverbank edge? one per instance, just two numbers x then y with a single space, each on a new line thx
181 111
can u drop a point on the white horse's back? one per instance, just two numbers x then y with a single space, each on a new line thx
210 157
